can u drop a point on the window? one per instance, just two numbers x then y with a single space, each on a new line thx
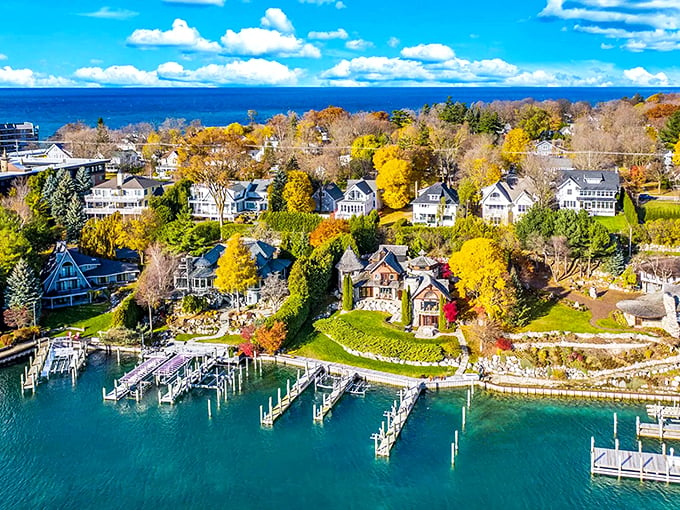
569 190
392 276
522 208
495 194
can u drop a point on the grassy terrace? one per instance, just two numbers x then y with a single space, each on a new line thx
615 224
92 317
655 209
560 317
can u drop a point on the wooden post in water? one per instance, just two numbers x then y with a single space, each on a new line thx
463 419
118 354
453 454
455 440
592 454
637 426
468 399
209 409
615 424
270 407
103 393
260 415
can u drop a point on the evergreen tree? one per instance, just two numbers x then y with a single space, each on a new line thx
616 264
49 187
671 132
522 310
276 200
347 293
61 198
83 181
74 219
406 307
23 289
441 322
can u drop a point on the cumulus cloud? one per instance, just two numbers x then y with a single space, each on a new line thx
125 75
393 42
340 33
639 24
275 18
255 71
259 41
378 69
340 5
428 52
640 76
358 44
3 56
10 77
181 35
219 3
109 13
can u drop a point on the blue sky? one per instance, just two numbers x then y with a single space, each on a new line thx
340 43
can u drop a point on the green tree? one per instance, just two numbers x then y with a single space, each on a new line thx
236 269
128 314
401 118
24 290
453 113
468 195
441 320
406 307
364 230
538 220
101 237
670 134
347 293
275 191
535 121
173 202
61 198
74 219
82 181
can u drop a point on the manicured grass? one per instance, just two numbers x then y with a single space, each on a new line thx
374 323
226 339
657 209
92 317
615 224
321 347
563 318
390 216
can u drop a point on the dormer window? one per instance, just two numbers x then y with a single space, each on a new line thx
433 198
495 194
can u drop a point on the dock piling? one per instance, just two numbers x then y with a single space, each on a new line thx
209 409
615 424
463 427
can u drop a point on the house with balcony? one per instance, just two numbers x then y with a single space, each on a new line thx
196 275
507 200
127 194
72 278
360 198
436 206
592 190
326 197
242 197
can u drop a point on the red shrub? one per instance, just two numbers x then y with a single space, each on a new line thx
504 344
450 312
247 348
247 332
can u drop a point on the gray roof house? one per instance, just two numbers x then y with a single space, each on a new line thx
508 200
127 194
327 197
360 198
656 310
435 206
592 190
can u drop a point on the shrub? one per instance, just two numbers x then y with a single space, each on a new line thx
121 336
194 304
504 344
345 334
452 349
6 340
230 229
26 333
127 314
247 348
283 221
629 210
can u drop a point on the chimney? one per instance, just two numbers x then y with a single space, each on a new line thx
119 179
4 162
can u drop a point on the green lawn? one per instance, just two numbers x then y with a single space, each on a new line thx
561 317
374 323
390 216
92 317
226 339
321 347
615 224
656 209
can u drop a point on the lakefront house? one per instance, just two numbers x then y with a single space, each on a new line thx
126 194
435 206
360 198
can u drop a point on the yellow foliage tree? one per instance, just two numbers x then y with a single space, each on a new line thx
394 178
138 233
481 268
516 142
676 154
236 269
298 192
328 229
385 154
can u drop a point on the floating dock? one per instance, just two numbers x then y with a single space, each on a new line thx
301 384
58 356
396 419
340 386
640 465
192 377
662 429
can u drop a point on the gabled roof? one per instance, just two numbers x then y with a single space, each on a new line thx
349 262
427 281
261 252
511 188
440 190
211 257
132 182
390 259
422 261
60 256
330 189
592 179
367 187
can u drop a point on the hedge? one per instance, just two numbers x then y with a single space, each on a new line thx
283 221
344 334
629 209
127 314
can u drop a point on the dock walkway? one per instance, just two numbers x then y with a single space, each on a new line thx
181 385
634 464
301 384
396 419
31 375
339 388
136 377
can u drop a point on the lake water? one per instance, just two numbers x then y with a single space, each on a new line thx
66 448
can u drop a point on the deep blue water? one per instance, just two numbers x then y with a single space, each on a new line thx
65 448
52 108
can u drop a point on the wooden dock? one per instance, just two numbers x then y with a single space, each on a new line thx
31 376
190 379
340 386
134 381
302 382
396 419
640 465
658 411
662 429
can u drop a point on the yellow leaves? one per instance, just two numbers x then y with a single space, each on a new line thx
298 192
236 270
676 154
328 229
394 177
385 154
516 141
364 147
234 129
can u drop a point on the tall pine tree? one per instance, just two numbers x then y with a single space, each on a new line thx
23 289
347 293
276 200
74 219
406 307
83 181
61 197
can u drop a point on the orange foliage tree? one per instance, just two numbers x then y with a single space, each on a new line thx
271 339
328 229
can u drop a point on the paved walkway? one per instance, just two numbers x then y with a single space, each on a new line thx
465 350
224 329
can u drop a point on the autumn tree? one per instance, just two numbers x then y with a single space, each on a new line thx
101 237
481 268
214 158
271 338
139 232
394 178
328 229
534 121
298 192
17 200
273 291
515 144
155 284
236 269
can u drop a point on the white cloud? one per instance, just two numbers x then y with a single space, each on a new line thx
181 35
547 78
219 3
3 56
378 69
258 41
428 52
317 2
340 5
275 18
126 75
358 44
10 77
255 71
605 46
109 13
640 76
340 33
393 42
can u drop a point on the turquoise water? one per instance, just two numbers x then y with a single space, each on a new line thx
65 448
